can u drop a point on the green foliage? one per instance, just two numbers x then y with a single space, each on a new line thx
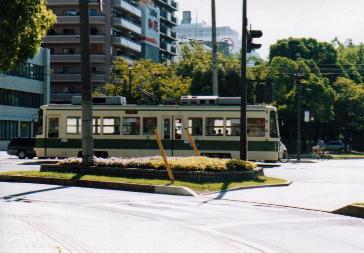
349 104
155 78
351 61
196 64
239 165
23 25
305 48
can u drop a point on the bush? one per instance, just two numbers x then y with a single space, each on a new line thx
193 163
240 165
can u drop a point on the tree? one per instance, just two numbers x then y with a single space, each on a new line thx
351 60
317 95
305 48
349 104
23 25
160 81
196 63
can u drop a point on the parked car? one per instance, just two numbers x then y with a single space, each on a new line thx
334 146
22 147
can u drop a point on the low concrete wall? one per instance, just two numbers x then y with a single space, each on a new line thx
195 176
170 190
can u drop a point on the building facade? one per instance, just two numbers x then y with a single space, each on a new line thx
228 38
22 92
118 31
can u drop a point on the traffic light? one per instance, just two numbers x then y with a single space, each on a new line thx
252 34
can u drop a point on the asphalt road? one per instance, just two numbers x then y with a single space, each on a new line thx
40 218
45 218
326 185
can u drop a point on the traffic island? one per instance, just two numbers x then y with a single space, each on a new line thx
162 186
354 210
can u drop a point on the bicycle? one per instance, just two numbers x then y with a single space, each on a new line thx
319 153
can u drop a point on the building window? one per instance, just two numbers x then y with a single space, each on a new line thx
214 127
68 51
73 125
111 126
256 127
233 127
148 125
96 126
28 70
195 126
70 13
68 31
8 130
131 126
53 128
25 129
20 98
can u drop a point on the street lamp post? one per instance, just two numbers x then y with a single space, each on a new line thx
243 104
299 113
130 68
87 138
215 75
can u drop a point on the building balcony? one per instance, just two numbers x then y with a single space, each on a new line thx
169 4
67 2
101 20
70 58
98 78
127 24
167 18
127 43
64 39
127 6
168 33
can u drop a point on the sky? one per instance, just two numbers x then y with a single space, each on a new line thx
320 19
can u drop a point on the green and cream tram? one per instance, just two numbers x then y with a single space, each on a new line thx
123 130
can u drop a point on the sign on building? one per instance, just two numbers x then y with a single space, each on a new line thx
150 23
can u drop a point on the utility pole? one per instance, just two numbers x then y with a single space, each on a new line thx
215 75
244 84
299 115
87 138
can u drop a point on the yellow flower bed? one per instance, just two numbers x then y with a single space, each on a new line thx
192 163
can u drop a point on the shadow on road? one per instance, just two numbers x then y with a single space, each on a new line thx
38 162
9 197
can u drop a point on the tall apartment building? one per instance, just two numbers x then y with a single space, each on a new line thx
121 30
22 91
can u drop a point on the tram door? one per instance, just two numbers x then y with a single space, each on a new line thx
172 133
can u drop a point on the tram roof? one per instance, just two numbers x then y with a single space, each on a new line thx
159 107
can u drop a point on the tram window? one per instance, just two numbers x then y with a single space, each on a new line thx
273 124
177 128
256 127
148 125
232 127
214 127
53 128
73 125
96 126
195 126
111 126
131 126
167 128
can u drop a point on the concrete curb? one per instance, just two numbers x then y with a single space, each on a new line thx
250 187
351 210
169 190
